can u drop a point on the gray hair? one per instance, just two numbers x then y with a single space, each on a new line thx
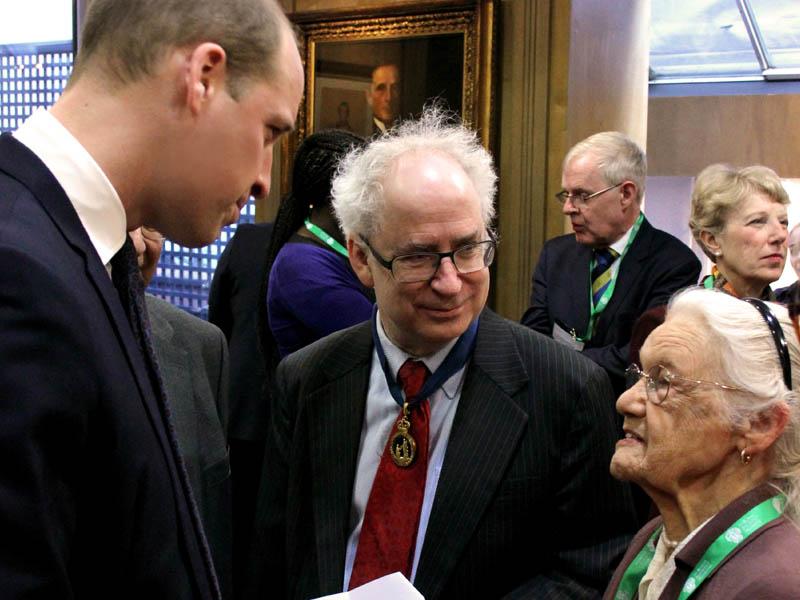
127 38
750 361
358 188
719 190
618 157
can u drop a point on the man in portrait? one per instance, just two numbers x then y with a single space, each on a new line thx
168 121
343 122
383 96
436 439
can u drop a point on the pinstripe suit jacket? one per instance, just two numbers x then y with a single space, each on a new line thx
525 505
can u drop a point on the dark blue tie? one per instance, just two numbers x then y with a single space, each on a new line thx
130 286
601 273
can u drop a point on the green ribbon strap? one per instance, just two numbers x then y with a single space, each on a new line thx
753 520
328 239
594 311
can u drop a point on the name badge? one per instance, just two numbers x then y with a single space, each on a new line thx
567 338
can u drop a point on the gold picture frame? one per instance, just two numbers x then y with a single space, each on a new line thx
442 50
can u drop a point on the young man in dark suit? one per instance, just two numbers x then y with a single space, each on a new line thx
168 120
438 439
590 287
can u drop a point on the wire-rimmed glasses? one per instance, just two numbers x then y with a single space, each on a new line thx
658 379
581 198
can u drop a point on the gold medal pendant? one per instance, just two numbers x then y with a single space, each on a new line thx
402 446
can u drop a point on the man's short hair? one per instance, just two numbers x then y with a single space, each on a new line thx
719 189
618 157
358 188
127 38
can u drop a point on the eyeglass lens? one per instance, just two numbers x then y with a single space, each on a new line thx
422 266
656 384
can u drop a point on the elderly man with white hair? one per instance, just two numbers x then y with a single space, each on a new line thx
590 287
436 439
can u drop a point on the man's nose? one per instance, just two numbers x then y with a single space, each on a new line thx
569 208
447 279
261 186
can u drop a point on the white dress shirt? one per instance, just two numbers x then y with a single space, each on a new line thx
95 200
379 417
618 247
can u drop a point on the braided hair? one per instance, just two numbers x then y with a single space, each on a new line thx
315 165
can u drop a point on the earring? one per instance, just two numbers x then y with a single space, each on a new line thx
745 457
717 253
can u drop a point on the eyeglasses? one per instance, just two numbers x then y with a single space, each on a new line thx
580 199
658 379
422 266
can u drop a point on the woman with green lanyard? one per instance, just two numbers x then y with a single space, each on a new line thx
739 219
712 434
310 289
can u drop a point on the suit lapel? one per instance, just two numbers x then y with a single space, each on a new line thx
335 422
578 296
20 163
486 430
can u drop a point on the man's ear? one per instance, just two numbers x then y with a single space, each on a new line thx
761 431
628 192
358 260
206 75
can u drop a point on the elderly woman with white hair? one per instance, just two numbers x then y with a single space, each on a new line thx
712 434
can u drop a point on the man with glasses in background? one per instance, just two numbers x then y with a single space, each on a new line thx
436 439
590 287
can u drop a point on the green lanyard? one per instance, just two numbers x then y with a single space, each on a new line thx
753 519
320 233
594 311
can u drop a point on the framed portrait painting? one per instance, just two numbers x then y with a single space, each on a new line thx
367 73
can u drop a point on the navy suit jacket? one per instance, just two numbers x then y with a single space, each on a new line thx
233 307
655 267
525 506
90 500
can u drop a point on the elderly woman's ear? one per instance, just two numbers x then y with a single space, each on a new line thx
761 431
709 240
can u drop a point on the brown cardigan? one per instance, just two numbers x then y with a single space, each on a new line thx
765 566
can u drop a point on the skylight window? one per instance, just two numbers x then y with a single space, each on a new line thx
724 40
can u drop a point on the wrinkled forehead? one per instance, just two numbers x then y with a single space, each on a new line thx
427 186
682 344
584 166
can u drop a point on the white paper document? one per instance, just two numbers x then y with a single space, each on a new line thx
388 587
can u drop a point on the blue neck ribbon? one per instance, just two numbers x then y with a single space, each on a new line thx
457 357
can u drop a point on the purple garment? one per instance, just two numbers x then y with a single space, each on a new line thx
311 294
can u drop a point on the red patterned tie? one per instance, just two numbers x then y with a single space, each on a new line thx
389 530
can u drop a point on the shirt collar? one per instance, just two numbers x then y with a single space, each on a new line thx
379 124
619 245
395 357
92 195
